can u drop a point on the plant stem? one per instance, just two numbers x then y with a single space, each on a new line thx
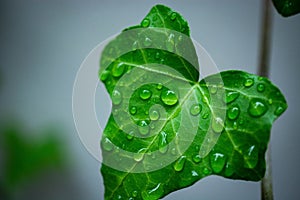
263 70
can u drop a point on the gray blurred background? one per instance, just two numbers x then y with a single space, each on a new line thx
43 43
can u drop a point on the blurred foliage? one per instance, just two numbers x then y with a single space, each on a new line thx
23 157
287 7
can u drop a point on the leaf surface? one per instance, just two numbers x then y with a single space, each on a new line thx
167 130
287 7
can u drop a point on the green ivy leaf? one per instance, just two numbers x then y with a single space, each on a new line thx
167 130
287 7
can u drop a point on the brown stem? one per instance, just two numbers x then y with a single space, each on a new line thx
263 70
264 56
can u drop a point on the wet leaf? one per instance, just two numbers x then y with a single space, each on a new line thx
287 7
167 130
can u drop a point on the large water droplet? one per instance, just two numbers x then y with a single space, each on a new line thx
173 16
233 112
197 158
107 145
143 128
154 115
249 82
195 109
260 87
145 23
279 110
132 110
139 155
231 96
179 164
145 94
170 44
154 193
147 42
116 97
169 97
163 144
251 156
217 125
217 161
257 108
104 75
118 69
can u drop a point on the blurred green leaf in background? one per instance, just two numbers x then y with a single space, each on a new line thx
25 158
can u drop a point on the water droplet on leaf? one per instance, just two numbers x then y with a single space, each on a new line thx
279 110
235 126
143 128
231 96
229 170
147 42
260 87
145 94
118 69
197 158
217 125
107 145
257 108
173 151
195 109
173 16
270 101
163 144
170 45
116 97
205 115
132 110
159 86
134 193
251 156
217 161
213 89
104 75
169 97
249 82
154 115
134 46
194 173
145 23
179 164
233 112
206 171
130 135
154 193
139 155
179 38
